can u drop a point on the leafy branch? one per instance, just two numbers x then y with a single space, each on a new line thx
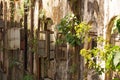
73 30
110 54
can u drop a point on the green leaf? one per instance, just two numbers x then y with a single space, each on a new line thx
109 61
78 42
116 59
28 77
118 67
73 30
118 25
115 79
83 52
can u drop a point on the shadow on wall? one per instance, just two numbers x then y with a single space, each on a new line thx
92 6
77 7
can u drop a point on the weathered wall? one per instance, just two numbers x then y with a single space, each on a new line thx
111 9
94 13
101 12
56 10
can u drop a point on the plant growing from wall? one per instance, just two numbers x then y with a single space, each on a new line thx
73 30
12 12
110 54
13 62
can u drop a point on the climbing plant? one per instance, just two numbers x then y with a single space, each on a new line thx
73 30
110 54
